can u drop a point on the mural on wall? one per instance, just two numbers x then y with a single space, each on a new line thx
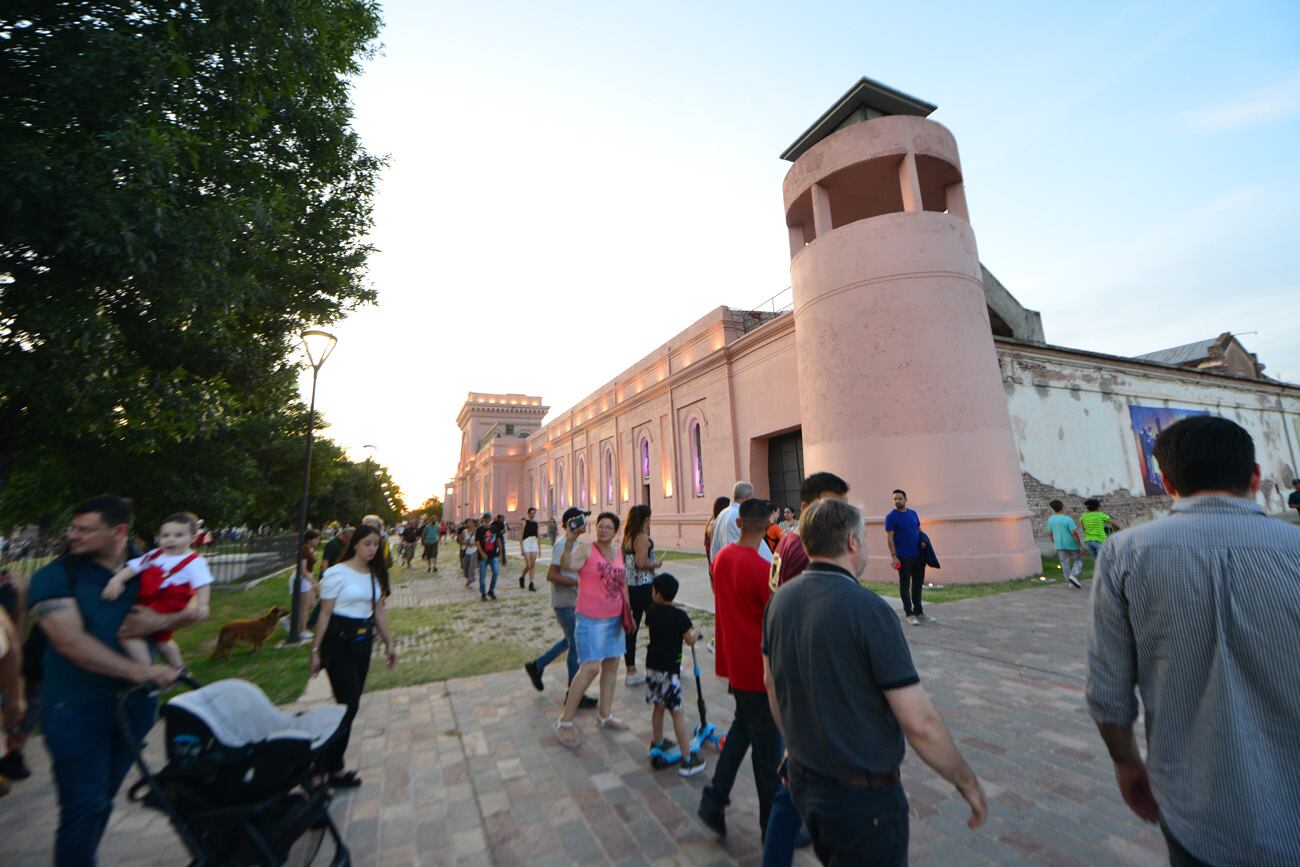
1148 422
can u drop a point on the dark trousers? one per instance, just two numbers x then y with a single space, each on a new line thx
783 826
1178 856
911 575
641 600
90 759
346 663
851 824
753 728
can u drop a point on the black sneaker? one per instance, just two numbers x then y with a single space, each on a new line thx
535 675
690 766
532 587
716 822
521 582
587 702
492 596
483 598
13 767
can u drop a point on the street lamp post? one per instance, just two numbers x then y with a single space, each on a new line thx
319 346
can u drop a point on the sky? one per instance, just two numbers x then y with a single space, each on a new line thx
569 185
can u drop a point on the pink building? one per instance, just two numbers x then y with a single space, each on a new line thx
902 363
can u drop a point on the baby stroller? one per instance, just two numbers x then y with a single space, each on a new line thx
243 781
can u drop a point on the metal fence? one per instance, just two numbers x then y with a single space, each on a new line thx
231 559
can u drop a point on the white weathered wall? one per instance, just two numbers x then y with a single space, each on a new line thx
1070 417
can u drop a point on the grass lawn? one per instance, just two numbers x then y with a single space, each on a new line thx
953 592
430 648
679 555
279 669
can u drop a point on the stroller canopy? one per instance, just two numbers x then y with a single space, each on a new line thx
239 713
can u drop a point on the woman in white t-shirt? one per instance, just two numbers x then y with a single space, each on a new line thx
351 611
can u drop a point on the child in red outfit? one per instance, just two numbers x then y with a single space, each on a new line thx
170 576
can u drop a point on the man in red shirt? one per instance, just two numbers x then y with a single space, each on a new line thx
741 591
791 559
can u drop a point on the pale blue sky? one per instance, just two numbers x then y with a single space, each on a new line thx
572 184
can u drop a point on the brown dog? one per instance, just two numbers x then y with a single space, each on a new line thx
254 632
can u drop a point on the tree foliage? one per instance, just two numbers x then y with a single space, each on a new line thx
181 193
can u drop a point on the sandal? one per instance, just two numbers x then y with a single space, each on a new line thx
350 780
611 722
567 733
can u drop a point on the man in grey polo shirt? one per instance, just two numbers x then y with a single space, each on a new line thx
1200 611
844 692
564 599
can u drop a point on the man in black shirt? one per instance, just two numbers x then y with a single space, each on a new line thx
843 689
488 542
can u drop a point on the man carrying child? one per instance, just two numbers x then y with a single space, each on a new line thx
669 627
85 669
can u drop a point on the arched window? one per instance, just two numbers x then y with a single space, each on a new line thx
532 488
645 458
582 483
560 486
697 458
609 476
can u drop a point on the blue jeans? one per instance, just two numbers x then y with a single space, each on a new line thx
850 824
90 760
1094 548
482 573
564 617
783 826
752 730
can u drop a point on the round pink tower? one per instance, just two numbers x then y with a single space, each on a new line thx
898 378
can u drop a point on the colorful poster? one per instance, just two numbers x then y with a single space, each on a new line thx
1148 422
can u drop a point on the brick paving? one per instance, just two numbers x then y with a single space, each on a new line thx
469 771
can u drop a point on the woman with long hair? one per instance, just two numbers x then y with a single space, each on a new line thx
531 548
639 567
718 505
602 594
352 597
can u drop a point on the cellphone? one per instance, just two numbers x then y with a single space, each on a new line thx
578 522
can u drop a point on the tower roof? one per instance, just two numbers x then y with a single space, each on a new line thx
865 100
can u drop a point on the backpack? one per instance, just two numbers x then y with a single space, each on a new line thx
36 641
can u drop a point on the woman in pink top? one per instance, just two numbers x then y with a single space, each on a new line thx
599 631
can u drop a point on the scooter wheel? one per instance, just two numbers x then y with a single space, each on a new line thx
657 763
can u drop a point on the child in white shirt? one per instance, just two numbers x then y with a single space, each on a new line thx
170 576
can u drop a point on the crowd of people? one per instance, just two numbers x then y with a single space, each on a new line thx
1190 613
1193 615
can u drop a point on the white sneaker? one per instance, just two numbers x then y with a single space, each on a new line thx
1074 582
306 635
925 618
635 679
914 620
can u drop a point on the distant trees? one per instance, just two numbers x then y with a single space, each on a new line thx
181 192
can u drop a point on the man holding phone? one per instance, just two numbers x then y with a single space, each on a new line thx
564 599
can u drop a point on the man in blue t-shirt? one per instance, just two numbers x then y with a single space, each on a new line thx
903 531
85 669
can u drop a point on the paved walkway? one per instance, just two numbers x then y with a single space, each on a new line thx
470 772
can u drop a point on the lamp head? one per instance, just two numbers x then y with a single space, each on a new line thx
319 345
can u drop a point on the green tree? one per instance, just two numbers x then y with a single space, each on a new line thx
431 510
181 192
